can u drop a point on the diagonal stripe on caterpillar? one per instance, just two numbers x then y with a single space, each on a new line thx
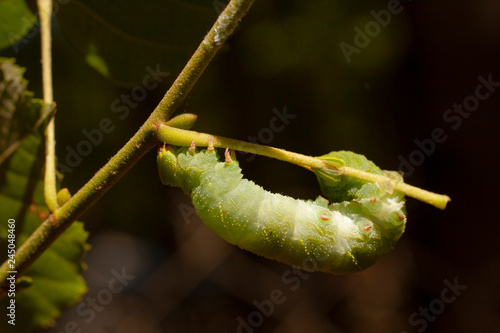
361 225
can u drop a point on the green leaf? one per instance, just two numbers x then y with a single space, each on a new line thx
20 113
121 39
55 276
16 20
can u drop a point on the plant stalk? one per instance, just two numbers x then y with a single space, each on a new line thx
49 184
181 137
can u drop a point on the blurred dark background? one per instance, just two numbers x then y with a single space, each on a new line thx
286 54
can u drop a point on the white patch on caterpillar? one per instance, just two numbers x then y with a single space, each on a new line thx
389 206
304 220
273 212
346 231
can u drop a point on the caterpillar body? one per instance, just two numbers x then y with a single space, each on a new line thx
344 236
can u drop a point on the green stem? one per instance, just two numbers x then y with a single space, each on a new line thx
135 148
434 199
180 137
50 191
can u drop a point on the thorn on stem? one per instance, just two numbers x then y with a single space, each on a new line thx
210 148
227 156
192 148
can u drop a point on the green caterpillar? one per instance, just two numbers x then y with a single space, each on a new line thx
363 223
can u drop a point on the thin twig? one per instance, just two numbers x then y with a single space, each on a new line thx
50 191
181 137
